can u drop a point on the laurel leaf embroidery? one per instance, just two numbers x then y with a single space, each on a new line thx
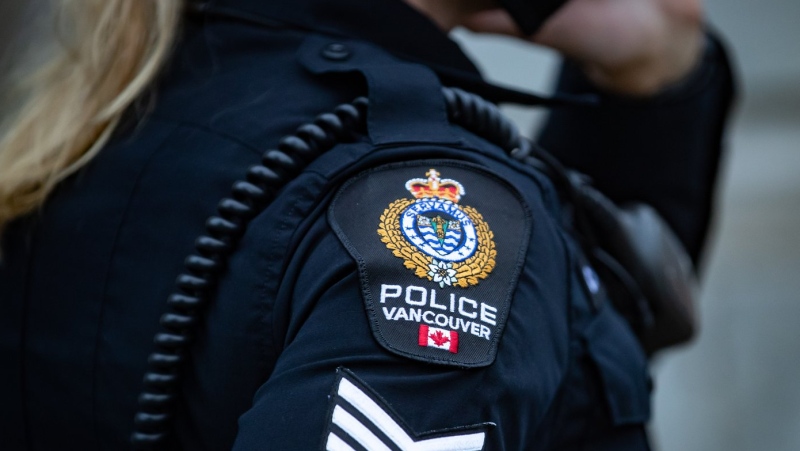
468 272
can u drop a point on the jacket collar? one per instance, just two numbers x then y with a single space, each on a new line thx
391 24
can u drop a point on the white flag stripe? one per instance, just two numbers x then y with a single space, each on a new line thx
336 444
380 418
357 430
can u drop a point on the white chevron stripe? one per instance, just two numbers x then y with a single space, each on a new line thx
468 442
374 412
336 444
357 430
383 421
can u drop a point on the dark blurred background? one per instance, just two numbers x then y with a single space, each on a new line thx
737 387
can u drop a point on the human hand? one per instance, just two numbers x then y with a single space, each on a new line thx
633 47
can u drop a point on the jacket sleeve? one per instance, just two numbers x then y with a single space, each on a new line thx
369 354
334 387
664 150
333 383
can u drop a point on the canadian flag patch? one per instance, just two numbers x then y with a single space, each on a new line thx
438 338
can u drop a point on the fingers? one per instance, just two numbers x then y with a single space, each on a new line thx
607 32
631 46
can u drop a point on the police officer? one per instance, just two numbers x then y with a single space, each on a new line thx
412 287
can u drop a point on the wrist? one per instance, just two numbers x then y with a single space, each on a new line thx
652 72
633 48
698 80
646 76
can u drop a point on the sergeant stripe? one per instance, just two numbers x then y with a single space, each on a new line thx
357 430
336 444
360 417
358 420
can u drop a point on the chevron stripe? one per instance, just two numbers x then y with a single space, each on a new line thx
359 416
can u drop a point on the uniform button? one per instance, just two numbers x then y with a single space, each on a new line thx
336 52
592 281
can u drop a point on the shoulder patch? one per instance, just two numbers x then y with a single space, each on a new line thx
439 246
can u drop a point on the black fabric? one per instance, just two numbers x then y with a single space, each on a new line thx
408 93
452 262
84 279
406 33
669 160
531 14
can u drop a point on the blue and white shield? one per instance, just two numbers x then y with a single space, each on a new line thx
440 229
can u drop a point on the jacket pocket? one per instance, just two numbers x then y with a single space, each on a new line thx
622 366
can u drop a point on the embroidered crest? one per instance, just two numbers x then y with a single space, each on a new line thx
438 239
437 273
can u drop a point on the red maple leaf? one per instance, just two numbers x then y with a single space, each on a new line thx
439 338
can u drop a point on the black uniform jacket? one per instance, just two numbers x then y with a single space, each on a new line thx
414 289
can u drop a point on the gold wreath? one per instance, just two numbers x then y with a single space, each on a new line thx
468 272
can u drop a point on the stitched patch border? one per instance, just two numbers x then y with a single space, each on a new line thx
465 318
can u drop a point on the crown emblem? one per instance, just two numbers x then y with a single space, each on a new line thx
434 186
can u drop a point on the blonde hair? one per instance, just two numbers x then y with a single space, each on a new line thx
110 51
